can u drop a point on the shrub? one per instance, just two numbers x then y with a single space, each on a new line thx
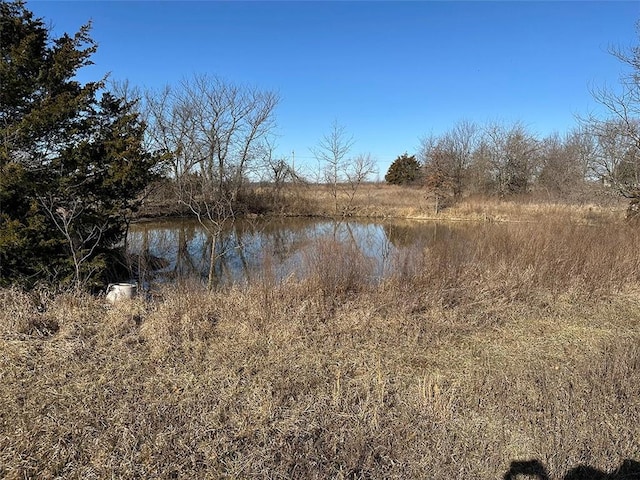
404 170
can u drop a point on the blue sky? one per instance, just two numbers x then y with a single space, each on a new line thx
389 72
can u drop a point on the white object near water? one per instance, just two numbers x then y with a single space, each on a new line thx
116 292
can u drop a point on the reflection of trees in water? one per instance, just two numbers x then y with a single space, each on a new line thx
245 246
186 249
404 235
427 245
167 246
400 235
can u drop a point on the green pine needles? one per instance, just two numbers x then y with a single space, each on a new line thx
404 170
72 160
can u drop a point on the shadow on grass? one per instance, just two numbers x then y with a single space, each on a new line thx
629 470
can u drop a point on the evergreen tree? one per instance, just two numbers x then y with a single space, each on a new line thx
71 163
404 170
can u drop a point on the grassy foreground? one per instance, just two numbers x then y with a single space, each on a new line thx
509 344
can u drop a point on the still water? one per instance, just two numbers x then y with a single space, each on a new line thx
180 249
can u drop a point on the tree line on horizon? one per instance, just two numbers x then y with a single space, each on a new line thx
504 160
76 159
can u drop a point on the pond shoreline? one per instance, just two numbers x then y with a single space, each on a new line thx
500 212
383 201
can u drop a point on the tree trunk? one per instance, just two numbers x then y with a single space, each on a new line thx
212 262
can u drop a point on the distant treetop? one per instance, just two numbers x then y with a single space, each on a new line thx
404 170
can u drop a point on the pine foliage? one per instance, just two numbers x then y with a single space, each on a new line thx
72 162
404 170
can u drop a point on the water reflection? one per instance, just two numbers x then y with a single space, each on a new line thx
179 249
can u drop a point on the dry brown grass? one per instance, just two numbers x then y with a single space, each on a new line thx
378 200
508 343
374 200
381 200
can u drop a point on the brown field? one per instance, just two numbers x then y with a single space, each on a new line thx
503 345
380 200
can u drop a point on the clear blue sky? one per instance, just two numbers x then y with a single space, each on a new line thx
390 72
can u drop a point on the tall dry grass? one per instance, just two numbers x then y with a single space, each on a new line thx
379 200
500 345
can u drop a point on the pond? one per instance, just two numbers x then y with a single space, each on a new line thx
180 249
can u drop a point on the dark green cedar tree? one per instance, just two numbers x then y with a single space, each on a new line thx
72 158
404 170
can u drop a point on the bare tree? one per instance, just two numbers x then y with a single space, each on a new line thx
438 163
213 212
564 163
340 172
216 131
231 122
82 242
332 152
171 128
617 157
618 134
582 144
278 170
447 161
361 168
460 143
512 156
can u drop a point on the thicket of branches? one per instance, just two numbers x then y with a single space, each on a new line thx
508 159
